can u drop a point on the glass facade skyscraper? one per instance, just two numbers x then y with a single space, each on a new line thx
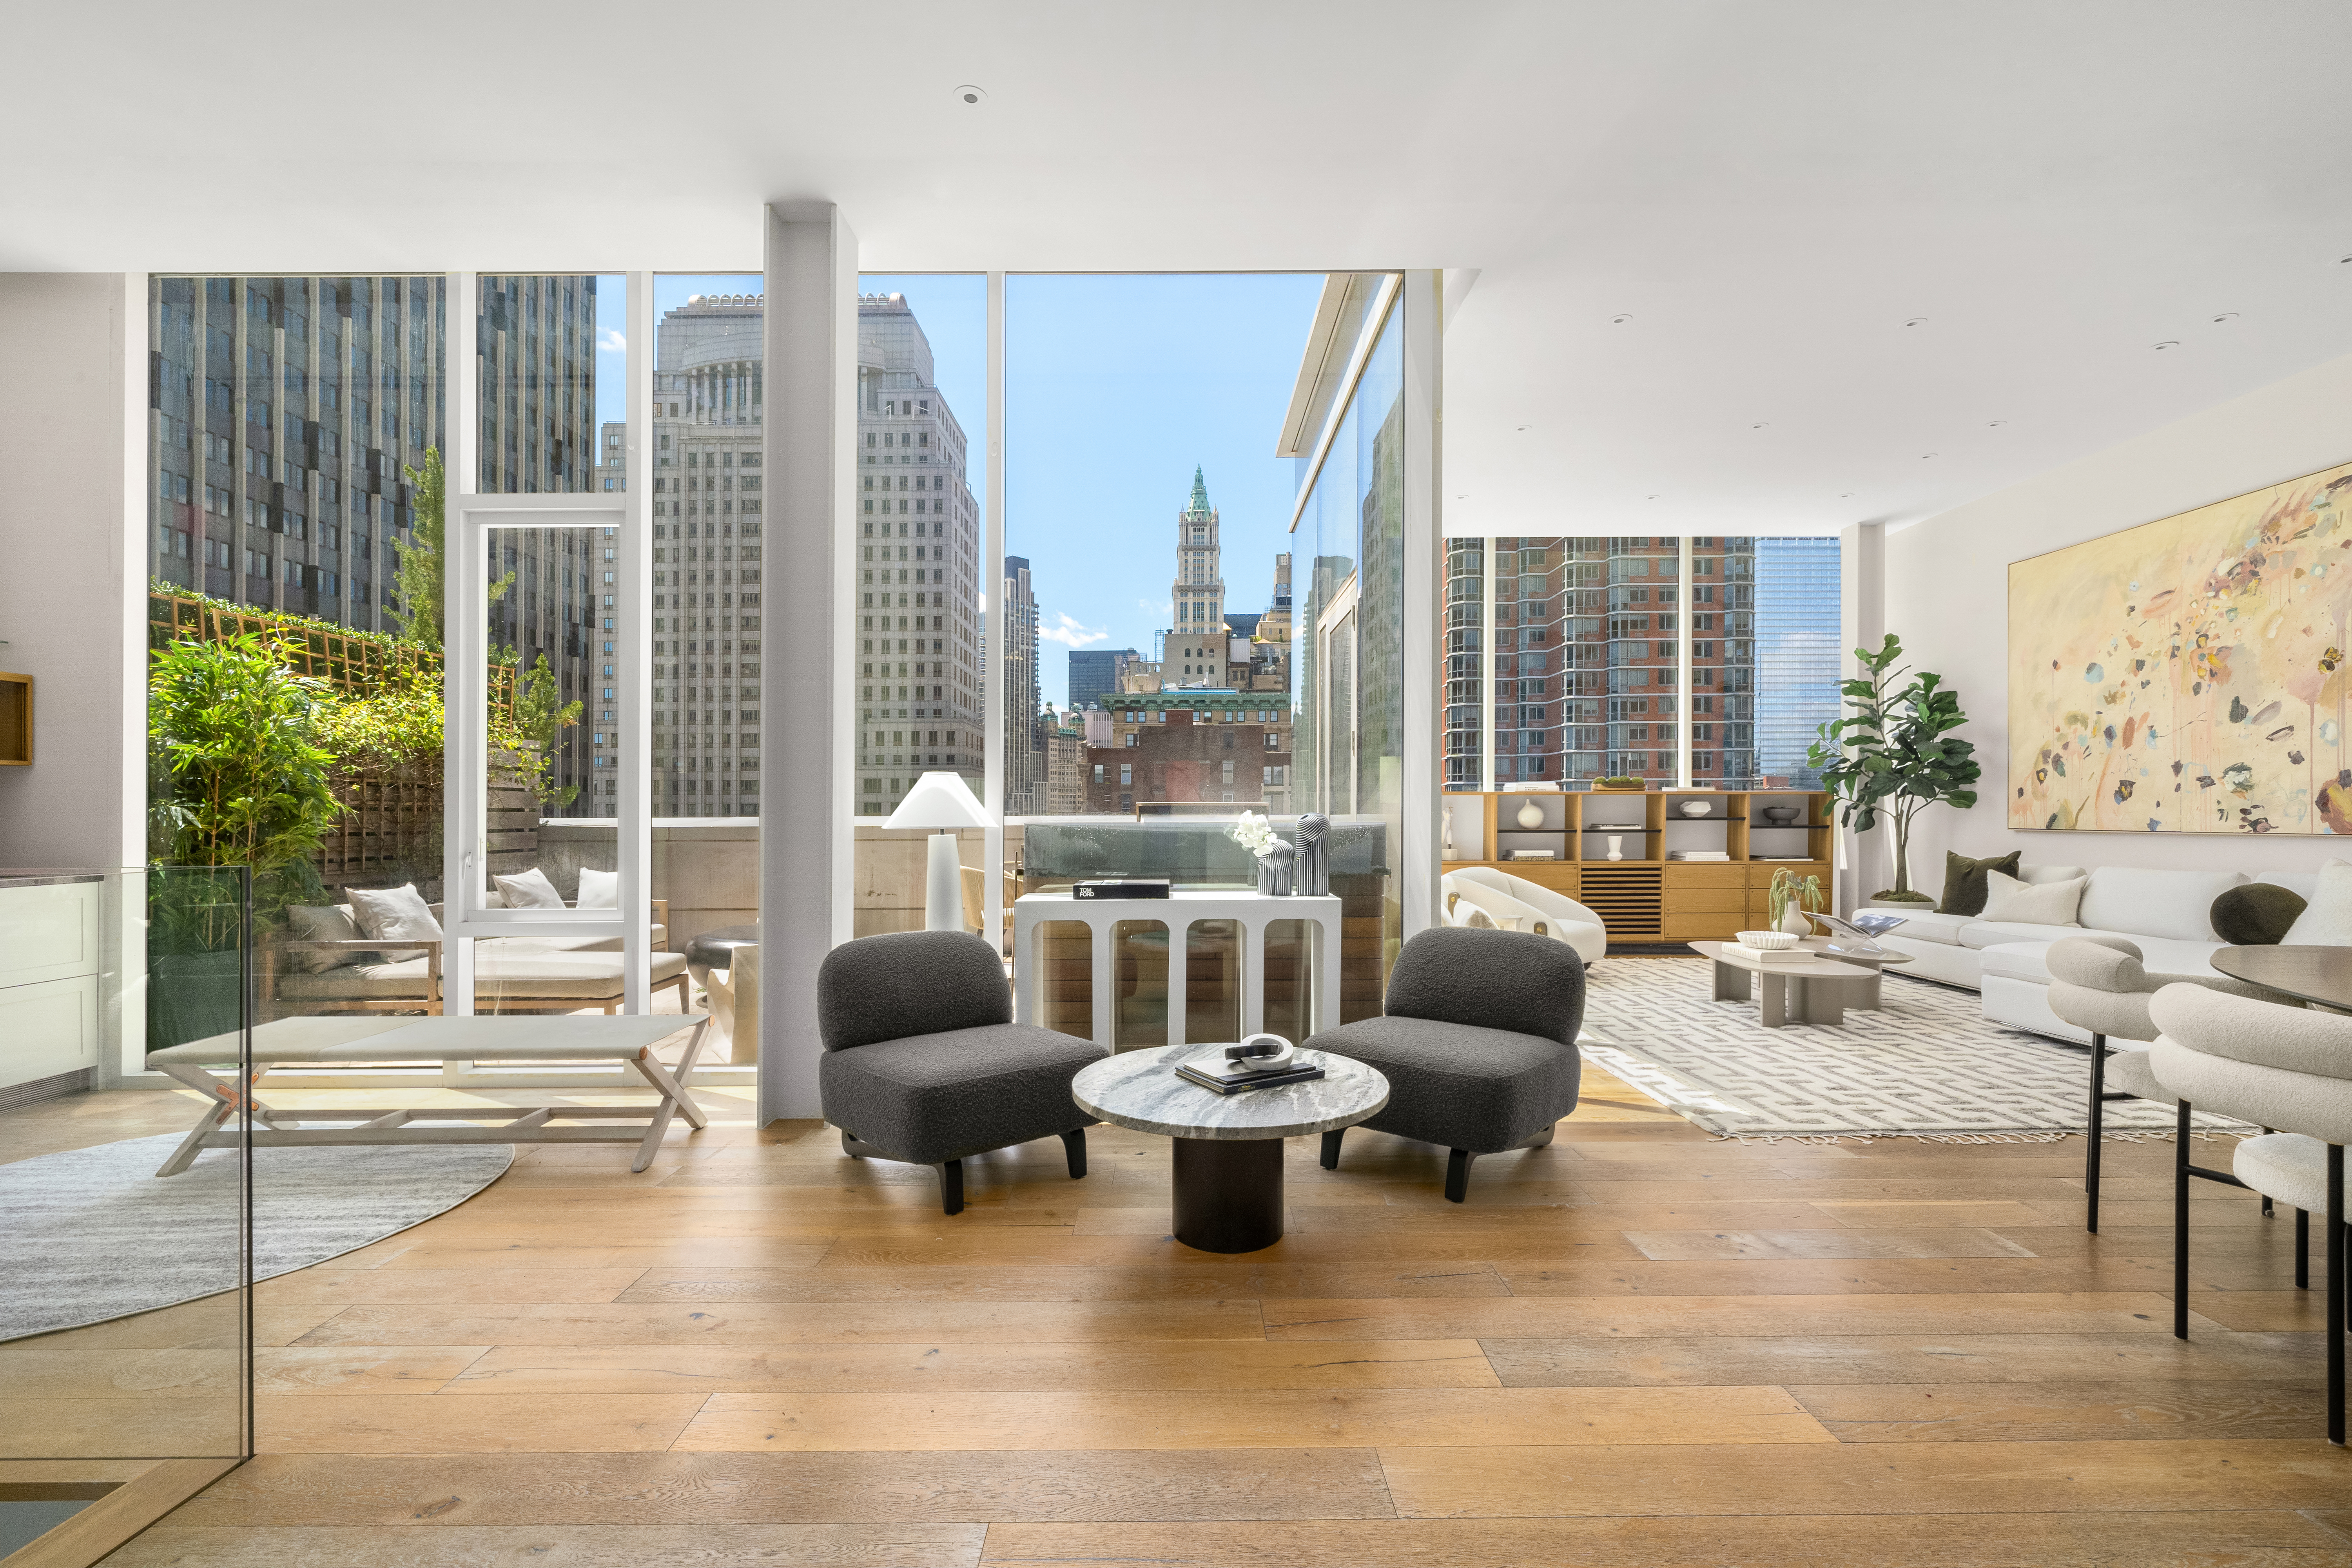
1797 672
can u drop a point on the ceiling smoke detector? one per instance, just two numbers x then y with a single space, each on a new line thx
969 94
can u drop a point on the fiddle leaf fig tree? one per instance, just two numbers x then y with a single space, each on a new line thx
1893 754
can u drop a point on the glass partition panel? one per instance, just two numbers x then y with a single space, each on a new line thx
1349 656
124 1263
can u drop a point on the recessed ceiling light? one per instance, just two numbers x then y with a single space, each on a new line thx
1527 426
1649 497
1625 321
2168 344
1461 497
1845 495
1996 424
967 93
1926 457
1916 321
2225 316
1759 425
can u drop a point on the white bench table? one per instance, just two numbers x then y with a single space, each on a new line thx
350 1039
1252 912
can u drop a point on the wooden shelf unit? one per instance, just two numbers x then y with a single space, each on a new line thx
15 719
1647 897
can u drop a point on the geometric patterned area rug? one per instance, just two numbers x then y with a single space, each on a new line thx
1928 1065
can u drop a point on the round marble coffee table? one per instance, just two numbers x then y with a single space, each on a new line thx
1226 1149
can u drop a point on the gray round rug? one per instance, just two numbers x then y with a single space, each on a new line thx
94 1234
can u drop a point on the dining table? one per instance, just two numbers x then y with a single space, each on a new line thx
2318 974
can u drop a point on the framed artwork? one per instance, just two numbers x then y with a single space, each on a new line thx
2187 675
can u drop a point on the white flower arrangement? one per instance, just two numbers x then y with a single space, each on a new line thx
1255 833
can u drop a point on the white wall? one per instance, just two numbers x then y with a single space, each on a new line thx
70 562
1948 589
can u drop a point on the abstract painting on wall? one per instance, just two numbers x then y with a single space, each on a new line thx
2187 675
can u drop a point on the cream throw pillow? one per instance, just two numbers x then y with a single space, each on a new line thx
2326 920
394 914
2033 903
322 922
599 890
530 890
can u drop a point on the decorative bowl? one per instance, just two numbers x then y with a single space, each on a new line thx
1779 816
1769 940
1697 807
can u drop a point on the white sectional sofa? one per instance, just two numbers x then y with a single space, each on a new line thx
2165 913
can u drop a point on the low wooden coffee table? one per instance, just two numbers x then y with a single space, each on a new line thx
1813 989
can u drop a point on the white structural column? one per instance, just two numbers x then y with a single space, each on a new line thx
1422 305
1861 867
806 846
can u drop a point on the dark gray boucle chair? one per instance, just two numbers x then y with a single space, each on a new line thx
1478 1045
923 1062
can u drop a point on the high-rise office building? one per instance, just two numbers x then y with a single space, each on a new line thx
708 400
1094 672
282 415
1199 592
920 683
1024 757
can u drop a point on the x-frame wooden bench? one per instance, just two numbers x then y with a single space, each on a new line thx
347 1039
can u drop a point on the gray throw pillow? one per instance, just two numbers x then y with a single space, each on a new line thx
322 922
530 890
394 914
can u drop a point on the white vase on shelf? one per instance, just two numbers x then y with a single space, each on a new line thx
1530 816
1616 847
1794 920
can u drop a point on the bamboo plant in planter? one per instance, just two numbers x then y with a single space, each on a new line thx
1894 755
239 781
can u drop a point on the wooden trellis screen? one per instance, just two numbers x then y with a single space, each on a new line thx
345 659
391 828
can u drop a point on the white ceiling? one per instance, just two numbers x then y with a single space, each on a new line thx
1770 191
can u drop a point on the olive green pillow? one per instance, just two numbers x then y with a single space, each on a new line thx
2256 914
1964 882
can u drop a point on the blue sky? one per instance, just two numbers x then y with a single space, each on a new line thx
1117 385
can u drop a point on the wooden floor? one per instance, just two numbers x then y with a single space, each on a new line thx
1636 1346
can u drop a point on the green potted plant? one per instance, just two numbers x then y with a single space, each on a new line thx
1805 893
1895 754
239 781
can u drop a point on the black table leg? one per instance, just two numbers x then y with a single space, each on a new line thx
1228 1193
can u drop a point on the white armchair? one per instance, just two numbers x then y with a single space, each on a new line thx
1530 906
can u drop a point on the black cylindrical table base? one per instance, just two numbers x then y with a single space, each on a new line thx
1228 1193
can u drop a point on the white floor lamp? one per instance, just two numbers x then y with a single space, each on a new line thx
941 800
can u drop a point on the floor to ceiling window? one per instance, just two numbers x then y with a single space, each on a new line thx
1589 636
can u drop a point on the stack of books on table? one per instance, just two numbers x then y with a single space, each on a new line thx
1234 1077
1698 855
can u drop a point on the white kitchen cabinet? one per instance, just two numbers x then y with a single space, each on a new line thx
50 965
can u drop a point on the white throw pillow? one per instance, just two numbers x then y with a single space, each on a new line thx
394 914
2326 920
2032 903
599 890
530 890
322 922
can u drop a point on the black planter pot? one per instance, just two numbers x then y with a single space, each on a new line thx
193 996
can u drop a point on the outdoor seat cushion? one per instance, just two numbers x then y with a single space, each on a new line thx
1930 926
518 967
1460 1086
930 1097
